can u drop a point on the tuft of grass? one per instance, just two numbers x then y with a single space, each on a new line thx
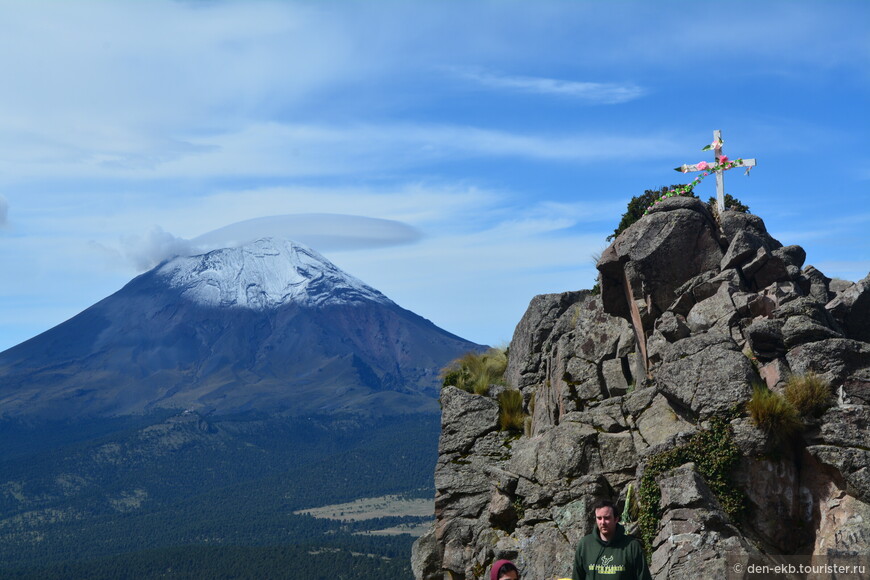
773 413
474 372
809 394
510 411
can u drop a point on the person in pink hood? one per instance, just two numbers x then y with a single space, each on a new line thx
504 570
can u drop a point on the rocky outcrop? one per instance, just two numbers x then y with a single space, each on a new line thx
693 312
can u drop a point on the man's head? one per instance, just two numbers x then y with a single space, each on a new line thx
605 519
504 570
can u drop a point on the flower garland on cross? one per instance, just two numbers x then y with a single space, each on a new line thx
721 164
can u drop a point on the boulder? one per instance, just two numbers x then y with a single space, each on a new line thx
742 249
426 557
672 326
544 552
844 363
713 310
568 450
644 255
805 306
615 380
816 285
851 308
705 373
750 440
782 292
606 417
803 329
838 285
733 222
465 418
462 488
775 373
845 426
683 487
659 423
791 255
766 339
765 269
852 464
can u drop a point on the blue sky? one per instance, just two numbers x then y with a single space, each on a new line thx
496 144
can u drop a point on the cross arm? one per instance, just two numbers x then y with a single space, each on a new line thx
712 166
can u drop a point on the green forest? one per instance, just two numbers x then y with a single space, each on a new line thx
185 496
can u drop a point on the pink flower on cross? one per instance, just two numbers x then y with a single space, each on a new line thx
723 159
701 166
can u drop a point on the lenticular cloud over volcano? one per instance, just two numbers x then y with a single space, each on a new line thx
321 231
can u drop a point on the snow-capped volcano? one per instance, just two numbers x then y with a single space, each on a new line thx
265 274
271 326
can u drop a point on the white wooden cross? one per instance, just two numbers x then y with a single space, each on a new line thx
720 180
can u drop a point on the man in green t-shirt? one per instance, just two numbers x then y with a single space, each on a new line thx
609 553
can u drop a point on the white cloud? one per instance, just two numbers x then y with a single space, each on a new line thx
148 250
592 92
322 231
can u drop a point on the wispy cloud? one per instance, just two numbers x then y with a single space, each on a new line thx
300 150
590 92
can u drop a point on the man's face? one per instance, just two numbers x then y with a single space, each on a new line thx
606 522
512 575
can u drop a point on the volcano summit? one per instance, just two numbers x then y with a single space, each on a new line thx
270 327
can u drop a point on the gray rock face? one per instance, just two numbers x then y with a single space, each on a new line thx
705 373
852 309
530 336
465 418
718 307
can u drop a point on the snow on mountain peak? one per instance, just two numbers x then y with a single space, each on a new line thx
265 274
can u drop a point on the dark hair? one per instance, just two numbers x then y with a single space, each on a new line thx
603 503
507 567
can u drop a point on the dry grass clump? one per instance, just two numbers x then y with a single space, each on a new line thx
773 413
510 410
474 372
810 394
